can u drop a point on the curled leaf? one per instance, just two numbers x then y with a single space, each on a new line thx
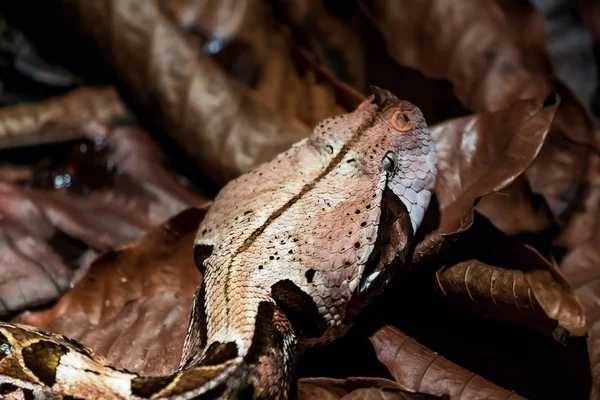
356 389
420 369
71 116
494 273
513 295
484 153
553 292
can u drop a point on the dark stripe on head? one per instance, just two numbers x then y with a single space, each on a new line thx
218 353
42 358
146 386
300 309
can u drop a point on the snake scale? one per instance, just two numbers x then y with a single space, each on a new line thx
289 253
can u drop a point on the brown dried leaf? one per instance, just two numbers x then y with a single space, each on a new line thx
31 271
205 112
146 336
51 234
158 262
553 292
489 289
493 52
420 369
494 148
558 173
516 209
470 43
356 389
336 40
513 294
580 265
78 113
583 221
246 40
494 272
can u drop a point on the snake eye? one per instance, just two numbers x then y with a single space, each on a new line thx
389 162
401 122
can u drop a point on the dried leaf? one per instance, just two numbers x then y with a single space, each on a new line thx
493 52
334 38
55 218
516 209
470 43
205 112
558 173
553 292
513 294
580 265
502 276
583 220
146 336
420 369
246 40
32 272
158 262
356 389
71 116
494 148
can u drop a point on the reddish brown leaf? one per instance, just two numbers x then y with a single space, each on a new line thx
489 289
470 43
516 209
420 369
552 291
494 148
158 262
205 112
580 265
356 389
558 173
78 113
534 297
493 52
32 273
146 336
55 218
337 42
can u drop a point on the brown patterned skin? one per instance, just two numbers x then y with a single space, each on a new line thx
311 218
290 253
